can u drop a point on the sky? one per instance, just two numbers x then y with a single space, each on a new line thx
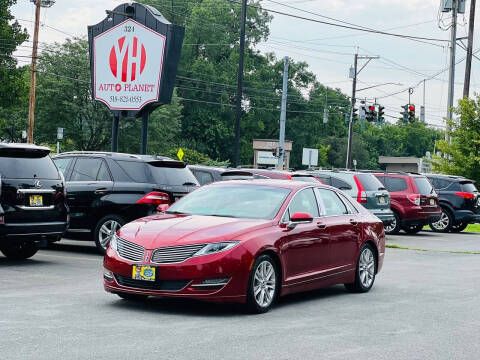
329 50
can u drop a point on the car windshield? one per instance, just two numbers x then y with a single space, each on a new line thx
304 178
240 201
28 168
423 185
370 182
468 187
166 173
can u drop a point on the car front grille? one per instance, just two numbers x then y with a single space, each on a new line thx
162 285
175 254
129 250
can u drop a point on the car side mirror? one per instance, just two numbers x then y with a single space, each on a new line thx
162 207
299 218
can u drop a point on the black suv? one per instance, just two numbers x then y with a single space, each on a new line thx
106 190
32 200
459 200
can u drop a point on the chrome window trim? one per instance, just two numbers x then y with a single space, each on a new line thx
336 193
293 197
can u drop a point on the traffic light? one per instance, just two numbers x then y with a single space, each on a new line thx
380 113
371 113
362 113
354 114
404 113
411 113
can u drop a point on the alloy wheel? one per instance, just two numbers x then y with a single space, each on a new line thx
108 229
391 226
443 223
366 267
264 284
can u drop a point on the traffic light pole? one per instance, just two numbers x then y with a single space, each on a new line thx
451 73
352 105
283 117
468 65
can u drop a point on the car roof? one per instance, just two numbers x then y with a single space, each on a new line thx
116 155
23 146
206 167
290 184
446 176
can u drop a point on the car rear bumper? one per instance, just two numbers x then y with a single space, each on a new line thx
422 221
36 230
386 215
184 279
466 216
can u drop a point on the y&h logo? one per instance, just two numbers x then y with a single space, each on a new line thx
127 58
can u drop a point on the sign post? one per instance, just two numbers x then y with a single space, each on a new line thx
310 157
134 55
59 137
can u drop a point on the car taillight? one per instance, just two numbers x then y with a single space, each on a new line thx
155 197
465 195
414 198
320 181
289 177
362 195
1 220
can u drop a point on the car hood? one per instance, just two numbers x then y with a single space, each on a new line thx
171 230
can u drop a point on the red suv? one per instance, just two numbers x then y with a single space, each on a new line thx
413 200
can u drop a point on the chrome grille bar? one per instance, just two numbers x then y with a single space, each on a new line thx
175 254
129 250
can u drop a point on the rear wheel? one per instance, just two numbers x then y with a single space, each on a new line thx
413 229
19 251
444 224
132 297
105 229
458 227
263 285
394 227
365 273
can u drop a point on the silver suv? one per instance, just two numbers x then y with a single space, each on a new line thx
363 187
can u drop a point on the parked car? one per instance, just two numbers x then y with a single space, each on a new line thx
413 200
459 201
363 187
247 173
207 174
247 242
33 209
106 190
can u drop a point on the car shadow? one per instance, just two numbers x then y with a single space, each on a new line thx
83 247
4 262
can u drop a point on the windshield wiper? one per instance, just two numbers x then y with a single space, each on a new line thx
175 212
189 183
229 216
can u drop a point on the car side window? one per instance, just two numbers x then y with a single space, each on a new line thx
304 201
203 177
326 179
351 209
340 184
395 183
103 174
86 169
330 203
62 164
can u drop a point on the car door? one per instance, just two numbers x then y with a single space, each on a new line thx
304 247
88 188
341 227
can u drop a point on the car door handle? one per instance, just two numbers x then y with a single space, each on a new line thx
321 225
353 222
101 191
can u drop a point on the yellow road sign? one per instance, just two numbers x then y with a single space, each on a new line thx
180 154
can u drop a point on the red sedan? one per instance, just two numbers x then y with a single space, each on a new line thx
247 242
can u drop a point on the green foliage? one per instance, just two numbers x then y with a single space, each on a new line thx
194 157
462 155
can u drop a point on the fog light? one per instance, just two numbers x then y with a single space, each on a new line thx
107 275
212 283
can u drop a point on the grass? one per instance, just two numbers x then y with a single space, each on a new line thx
470 228
395 246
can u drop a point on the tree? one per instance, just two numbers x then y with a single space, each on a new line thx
13 87
462 155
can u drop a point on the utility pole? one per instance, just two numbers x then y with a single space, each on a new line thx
451 73
354 73
238 112
283 116
352 105
422 109
468 65
33 75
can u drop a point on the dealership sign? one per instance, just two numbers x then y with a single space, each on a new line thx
128 62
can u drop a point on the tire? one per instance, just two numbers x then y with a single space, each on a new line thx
133 297
20 251
458 228
105 228
413 229
444 224
264 280
394 227
365 271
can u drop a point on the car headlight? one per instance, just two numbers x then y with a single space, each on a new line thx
114 242
216 248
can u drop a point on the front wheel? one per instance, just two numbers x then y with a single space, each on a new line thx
105 229
263 285
365 273
20 251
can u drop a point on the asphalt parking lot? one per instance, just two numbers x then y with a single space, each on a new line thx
425 304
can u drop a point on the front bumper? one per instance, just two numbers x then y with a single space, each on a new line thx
183 279
386 215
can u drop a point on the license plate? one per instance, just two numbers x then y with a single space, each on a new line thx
36 200
143 272
381 200
432 201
